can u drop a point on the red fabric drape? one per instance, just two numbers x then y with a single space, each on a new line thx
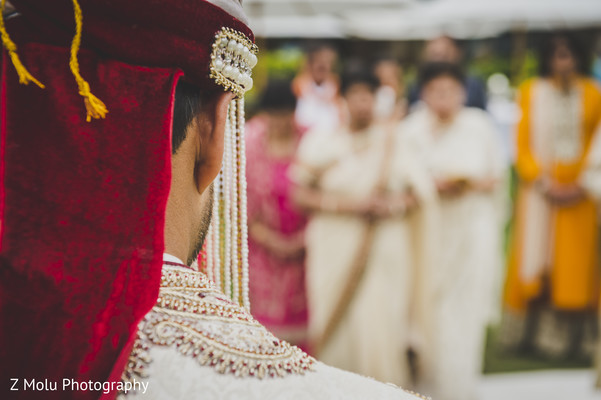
83 214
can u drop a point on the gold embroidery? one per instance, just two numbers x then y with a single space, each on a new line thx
201 322
420 396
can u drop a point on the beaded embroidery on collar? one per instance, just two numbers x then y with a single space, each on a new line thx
197 319
232 61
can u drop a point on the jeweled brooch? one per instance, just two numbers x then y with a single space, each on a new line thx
232 60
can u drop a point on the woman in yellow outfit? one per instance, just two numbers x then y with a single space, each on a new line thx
553 259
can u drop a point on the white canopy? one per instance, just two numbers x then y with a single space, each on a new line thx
412 19
472 18
309 18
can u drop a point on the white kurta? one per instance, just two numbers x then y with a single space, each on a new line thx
373 335
460 288
197 344
317 108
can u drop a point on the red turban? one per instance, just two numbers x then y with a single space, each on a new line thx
82 203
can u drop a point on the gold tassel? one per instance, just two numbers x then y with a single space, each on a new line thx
24 76
94 106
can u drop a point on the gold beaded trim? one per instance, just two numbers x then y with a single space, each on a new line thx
232 60
411 392
201 322
420 396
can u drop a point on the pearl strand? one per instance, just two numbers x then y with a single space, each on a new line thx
227 159
209 252
234 223
243 221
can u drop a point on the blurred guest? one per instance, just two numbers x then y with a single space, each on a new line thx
459 146
553 260
446 49
591 181
591 175
317 90
363 189
277 248
504 111
390 102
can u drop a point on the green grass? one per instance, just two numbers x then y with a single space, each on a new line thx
498 359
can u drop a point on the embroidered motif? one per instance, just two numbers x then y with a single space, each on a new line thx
232 61
201 322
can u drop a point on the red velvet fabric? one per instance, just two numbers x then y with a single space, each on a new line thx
82 204
83 213
160 33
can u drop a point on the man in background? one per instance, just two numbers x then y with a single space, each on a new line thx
446 49
317 90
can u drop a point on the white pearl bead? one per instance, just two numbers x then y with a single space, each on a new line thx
250 84
227 71
245 52
231 46
252 61
240 48
223 42
219 64
236 75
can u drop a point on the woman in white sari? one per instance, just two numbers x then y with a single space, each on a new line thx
458 145
370 205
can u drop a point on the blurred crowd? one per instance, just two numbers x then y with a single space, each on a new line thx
378 211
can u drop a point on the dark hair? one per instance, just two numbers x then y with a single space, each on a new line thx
572 42
385 58
186 106
358 76
430 71
315 47
278 96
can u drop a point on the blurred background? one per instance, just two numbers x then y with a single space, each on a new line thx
541 332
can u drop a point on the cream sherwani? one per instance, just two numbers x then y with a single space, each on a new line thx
373 335
197 344
459 289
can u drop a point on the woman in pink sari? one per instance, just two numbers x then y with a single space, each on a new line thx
276 227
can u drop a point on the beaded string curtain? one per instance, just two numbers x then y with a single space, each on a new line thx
225 254
224 257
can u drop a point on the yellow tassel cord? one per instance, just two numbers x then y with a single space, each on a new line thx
24 76
94 106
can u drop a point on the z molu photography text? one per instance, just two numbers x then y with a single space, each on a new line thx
72 385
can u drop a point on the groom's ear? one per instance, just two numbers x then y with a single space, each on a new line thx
210 141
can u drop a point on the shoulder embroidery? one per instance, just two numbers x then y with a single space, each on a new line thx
194 317
418 395
411 392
